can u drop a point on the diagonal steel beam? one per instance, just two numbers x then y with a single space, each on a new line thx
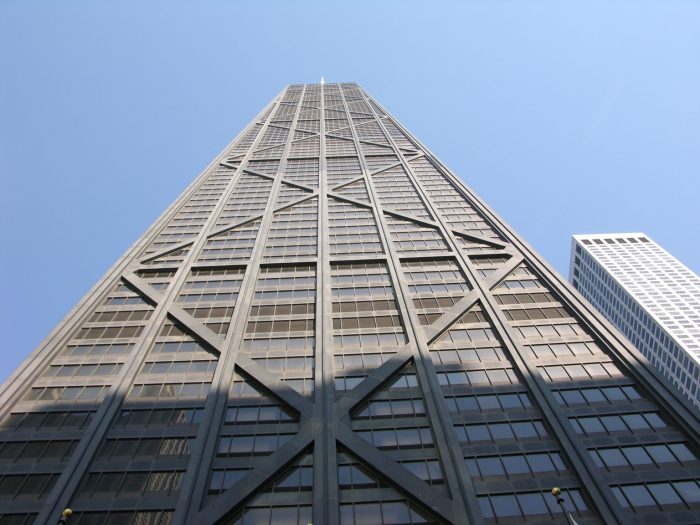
252 218
479 238
330 134
228 501
298 185
385 168
494 279
199 329
259 174
169 249
350 200
374 380
396 474
278 387
450 316
405 216
347 183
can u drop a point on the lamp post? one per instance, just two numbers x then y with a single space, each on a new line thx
556 492
67 513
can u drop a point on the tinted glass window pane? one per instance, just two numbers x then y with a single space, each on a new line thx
395 512
688 490
532 504
490 467
612 457
540 463
505 506
682 452
637 455
664 494
515 465
638 495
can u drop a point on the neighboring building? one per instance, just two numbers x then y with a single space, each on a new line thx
650 296
329 327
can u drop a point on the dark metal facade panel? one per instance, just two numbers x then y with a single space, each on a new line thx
329 327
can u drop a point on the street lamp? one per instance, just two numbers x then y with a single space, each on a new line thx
556 492
67 513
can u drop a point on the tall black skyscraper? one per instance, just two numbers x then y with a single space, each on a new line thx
329 327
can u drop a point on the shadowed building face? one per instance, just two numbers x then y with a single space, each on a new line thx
328 327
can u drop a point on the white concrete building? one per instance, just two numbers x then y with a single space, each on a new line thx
650 296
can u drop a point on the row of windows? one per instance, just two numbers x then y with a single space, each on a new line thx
288 364
98 349
159 417
484 402
67 393
278 343
657 455
380 321
120 316
524 298
391 408
658 495
398 438
26 486
591 396
124 517
170 347
364 306
116 484
104 369
260 444
203 297
547 351
370 340
499 376
223 479
553 330
285 295
467 355
294 325
257 414
380 513
145 448
527 505
466 335
507 431
20 451
47 420
282 309
535 314
516 465
632 423
358 361
275 515
576 372
109 332
170 391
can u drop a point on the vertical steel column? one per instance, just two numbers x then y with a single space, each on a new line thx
427 381
325 453
207 437
590 476
89 444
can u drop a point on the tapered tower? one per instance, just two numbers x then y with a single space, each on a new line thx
328 327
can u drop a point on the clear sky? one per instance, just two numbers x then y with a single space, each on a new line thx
566 117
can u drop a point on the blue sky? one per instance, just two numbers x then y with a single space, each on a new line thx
566 117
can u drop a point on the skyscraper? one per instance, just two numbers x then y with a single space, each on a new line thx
649 295
329 327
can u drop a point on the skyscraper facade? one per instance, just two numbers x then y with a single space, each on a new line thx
649 295
328 327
